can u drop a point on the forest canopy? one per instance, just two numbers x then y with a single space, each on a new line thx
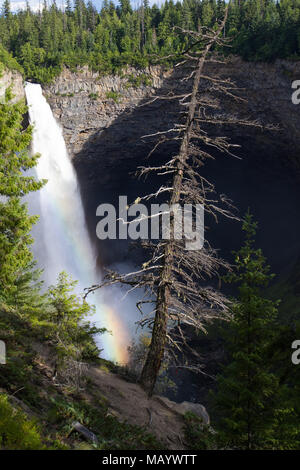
43 41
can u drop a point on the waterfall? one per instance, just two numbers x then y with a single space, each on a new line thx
64 234
62 241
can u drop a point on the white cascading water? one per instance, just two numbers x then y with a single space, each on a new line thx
62 221
62 241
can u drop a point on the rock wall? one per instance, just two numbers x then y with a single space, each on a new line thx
105 119
86 102
9 77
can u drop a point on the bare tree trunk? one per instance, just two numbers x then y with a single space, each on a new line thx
159 333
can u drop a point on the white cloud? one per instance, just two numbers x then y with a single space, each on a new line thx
35 5
17 5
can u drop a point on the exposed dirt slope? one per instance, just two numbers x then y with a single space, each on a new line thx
127 401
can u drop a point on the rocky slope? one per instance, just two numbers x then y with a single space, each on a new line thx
159 415
118 413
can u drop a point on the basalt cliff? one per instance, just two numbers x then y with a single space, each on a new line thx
105 120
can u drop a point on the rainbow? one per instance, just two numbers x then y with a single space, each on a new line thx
115 344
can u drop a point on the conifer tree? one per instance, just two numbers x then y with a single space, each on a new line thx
15 223
67 329
260 31
125 7
248 394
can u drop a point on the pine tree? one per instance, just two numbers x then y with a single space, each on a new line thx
125 7
67 328
15 223
6 9
68 8
248 394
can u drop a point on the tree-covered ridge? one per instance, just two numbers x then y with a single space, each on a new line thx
43 41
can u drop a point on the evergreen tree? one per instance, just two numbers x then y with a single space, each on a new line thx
15 223
68 7
125 7
260 31
6 9
66 326
249 395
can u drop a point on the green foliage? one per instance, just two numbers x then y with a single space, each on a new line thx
289 378
20 298
93 96
198 436
37 64
8 61
250 399
17 432
119 35
111 433
136 81
113 95
65 325
15 223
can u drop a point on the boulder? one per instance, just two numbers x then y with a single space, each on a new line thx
185 407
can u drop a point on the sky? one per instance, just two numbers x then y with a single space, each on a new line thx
34 4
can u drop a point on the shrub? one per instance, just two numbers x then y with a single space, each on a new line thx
113 95
17 432
136 81
93 96
198 436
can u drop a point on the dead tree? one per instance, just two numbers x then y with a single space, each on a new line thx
174 280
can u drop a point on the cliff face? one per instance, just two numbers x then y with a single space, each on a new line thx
14 79
86 103
105 119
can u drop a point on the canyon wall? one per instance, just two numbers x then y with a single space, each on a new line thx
86 102
105 120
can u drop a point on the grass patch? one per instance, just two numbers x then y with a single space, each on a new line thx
113 95
17 432
93 96
136 81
